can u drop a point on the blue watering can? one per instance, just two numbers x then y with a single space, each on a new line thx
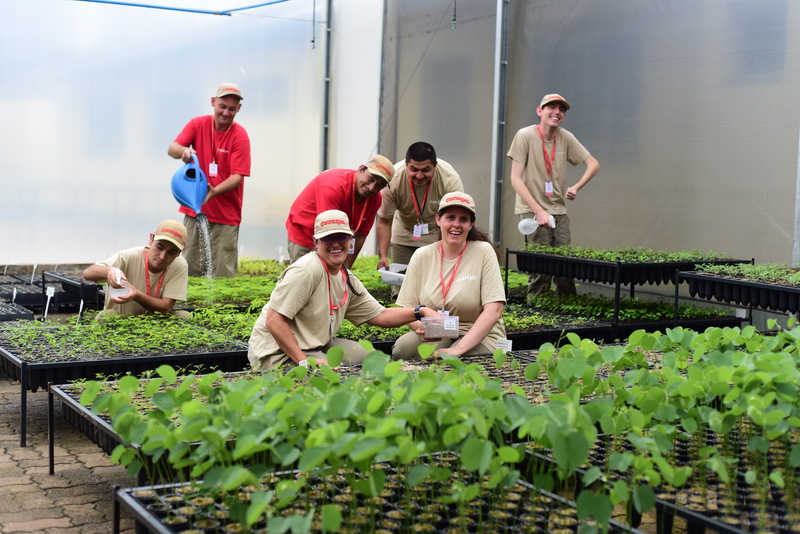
190 185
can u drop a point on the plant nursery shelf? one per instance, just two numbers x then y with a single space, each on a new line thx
606 272
10 311
771 297
400 509
33 376
74 289
705 502
98 429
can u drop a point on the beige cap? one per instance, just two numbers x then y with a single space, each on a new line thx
172 231
226 89
457 198
553 97
331 222
381 166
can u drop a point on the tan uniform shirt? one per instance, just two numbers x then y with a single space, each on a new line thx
477 282
131 262
398 203
301 295
526 148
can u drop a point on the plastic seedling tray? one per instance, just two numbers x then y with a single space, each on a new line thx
394 275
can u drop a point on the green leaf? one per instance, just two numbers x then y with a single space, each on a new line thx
335 355
532 371
258 504
331 518
595 506
313 457
168 373
510 455
476 454
644 498
366 449
128 384
417 474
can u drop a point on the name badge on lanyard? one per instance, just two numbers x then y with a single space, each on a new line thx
213 169
548 162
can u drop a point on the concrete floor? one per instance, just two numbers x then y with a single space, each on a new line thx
77 498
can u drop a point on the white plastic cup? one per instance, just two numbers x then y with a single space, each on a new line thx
119 292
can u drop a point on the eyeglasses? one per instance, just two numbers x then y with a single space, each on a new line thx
341 238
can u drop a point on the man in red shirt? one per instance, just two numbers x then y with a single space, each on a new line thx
223 149
355 192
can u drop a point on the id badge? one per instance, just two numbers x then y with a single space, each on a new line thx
417 232
352 249
213 168
548 189
443 313
425 230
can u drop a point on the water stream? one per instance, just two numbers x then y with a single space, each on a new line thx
204 235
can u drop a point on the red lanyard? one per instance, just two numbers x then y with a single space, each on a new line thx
147 276
446 289
548 161
334 307
214 139
353 207
418 207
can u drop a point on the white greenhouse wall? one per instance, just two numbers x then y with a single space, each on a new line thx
92 94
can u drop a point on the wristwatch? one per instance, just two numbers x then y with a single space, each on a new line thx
417 314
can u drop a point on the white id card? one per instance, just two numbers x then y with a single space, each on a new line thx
352 249
417 232
213 169
548 189
504 345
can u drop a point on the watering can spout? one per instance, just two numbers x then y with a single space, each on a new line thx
190 185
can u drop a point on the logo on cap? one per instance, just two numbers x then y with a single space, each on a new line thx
389 172
332 221
166 230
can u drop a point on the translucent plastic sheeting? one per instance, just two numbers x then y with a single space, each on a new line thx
689 105
92 95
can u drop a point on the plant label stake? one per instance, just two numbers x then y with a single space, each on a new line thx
50 292
80 311
33 274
